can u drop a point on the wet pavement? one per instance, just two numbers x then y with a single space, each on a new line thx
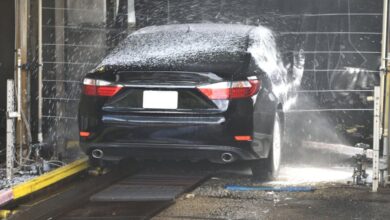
333 197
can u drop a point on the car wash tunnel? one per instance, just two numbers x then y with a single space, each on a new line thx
194 109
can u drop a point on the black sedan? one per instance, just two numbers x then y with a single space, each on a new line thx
187 92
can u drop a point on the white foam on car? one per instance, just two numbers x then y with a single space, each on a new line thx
177 44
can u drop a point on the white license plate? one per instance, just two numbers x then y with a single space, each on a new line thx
160 99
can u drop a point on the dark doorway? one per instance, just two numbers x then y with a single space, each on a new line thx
7 42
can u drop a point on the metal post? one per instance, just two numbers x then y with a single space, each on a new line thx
40 67
376 138
386 145
10 129
19 83
385 91
386 42
19 102
21 79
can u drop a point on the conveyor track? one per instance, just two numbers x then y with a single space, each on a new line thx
116 195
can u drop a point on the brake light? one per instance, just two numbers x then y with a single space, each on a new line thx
243 138
93 87
216 90
84 134
231 90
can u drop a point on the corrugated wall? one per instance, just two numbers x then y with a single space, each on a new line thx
340 40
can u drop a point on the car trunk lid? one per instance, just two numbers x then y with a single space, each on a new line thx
165 92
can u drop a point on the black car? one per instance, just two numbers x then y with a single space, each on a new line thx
187 92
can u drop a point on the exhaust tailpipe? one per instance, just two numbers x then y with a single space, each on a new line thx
97 153
227 157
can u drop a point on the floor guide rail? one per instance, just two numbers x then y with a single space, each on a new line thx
34 185
130 194
63 199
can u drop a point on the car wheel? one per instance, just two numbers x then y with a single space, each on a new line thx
266 169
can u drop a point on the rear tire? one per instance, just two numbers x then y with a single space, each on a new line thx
268 169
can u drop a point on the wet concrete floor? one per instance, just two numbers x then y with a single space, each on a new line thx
333 198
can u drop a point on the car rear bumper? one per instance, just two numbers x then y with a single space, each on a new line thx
118 151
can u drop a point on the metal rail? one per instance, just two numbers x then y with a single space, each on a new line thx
36 184
327 110
120 194
48 179
58 201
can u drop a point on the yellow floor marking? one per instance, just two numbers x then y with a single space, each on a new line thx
49 178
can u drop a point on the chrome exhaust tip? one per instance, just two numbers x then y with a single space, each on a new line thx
227 157
97 153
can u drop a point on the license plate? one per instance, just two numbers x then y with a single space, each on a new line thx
160 99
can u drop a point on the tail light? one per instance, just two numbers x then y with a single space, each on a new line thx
96 87
84 134
231 90
243 138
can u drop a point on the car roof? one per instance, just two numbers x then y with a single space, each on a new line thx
190 47
239 29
